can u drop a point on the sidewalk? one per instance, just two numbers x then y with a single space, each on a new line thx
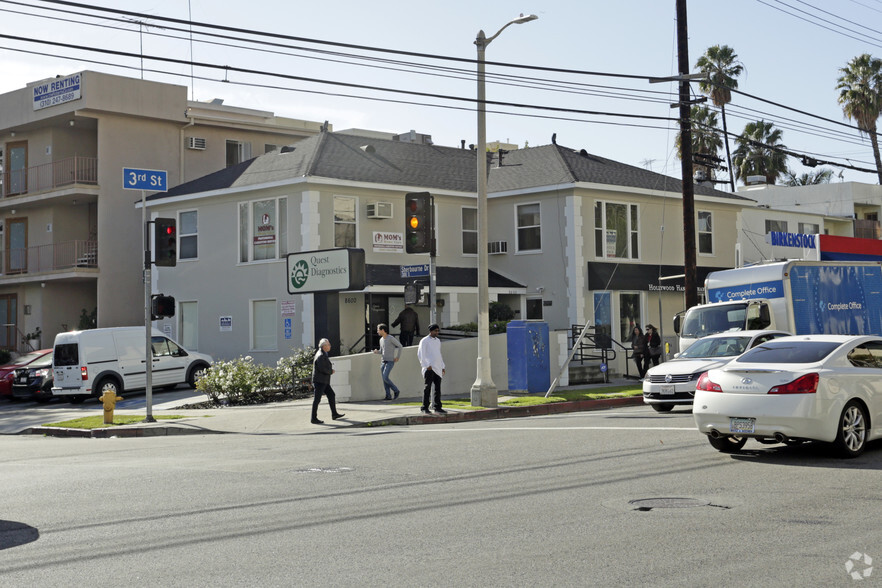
294 417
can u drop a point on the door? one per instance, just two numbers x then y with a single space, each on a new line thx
16 260
8 313
377 312
169 362
16 180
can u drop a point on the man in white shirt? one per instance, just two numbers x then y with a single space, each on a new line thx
432 364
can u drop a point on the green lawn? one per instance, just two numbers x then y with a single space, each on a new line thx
97 422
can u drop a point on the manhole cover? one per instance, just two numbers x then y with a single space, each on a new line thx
651 503
340 470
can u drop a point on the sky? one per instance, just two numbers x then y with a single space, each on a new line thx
791 50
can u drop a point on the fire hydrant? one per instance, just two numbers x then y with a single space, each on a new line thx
109 400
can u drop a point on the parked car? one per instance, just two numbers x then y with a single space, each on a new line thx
673 382
7 372
34 381
795 389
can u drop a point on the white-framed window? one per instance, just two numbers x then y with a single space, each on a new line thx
705 232
188 240
263 229
264 325
345 225
188 325
777 226
616 230
237 152
469 231
528 219
809 228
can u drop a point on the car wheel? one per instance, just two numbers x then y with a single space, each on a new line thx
727 443
851 435
196 372
663 407
107 385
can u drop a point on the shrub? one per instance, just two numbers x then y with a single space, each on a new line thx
499 311
241 381
5 356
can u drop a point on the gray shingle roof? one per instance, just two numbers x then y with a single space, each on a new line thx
362 159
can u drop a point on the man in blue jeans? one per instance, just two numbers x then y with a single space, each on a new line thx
390 351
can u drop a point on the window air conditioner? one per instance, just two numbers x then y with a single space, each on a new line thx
379 210
196 143
497 247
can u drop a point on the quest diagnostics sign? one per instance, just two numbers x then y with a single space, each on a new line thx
330 270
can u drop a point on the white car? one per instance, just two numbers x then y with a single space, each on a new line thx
673 382
794 389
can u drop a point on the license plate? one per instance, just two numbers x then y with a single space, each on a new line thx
741 425
668 389
22 379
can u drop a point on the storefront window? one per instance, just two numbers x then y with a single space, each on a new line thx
629 314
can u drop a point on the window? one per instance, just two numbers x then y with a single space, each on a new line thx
616 230
868 355
263 325
470 231
237 152
263 229
776 226
630 315
534 309
188 325
529 234
809 228
705 233
187 234
344 222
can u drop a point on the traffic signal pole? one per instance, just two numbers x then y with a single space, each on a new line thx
148 348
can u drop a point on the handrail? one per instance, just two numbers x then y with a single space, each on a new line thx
599 341
47 176
52 256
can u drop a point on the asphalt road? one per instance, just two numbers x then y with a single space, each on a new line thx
544 501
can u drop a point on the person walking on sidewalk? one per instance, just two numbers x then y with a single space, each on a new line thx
321 382
410 325
390 352
432 364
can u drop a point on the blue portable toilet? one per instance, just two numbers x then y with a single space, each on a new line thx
528 356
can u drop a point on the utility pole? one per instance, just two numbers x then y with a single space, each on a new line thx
689 263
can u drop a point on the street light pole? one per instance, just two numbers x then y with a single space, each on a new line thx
483 391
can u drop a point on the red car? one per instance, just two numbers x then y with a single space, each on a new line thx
7 372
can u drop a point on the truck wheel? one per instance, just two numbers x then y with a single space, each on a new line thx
851 436
727 443
107 385
662 407
196 372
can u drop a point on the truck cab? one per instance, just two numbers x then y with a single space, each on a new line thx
708 319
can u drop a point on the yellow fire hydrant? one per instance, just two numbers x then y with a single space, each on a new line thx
109 400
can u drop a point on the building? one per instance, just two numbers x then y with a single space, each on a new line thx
73 241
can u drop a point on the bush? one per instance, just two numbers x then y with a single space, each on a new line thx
5 356
241 381
499 311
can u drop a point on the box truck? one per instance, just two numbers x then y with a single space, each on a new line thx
801 297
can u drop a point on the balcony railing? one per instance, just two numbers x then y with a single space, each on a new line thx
73 170
52 257
867 229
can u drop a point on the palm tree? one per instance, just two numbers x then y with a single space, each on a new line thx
721 65
760 152
706 138
859 88
819 176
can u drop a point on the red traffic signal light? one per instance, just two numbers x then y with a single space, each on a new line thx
165 239
419 233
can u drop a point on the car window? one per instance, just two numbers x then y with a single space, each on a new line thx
25 359
717 347
67 354
763 338
868 354
160 347
779 351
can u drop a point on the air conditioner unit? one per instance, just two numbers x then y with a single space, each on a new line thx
196 143
497 247
379 210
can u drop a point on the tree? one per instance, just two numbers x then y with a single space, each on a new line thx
721 66
759 152
819 176
859 88
706 138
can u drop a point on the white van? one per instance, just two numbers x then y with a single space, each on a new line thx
89 363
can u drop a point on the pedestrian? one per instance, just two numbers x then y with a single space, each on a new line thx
432 364
638 349
410 325
653 348
321 382
390 352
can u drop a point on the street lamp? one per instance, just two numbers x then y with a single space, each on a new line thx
483 392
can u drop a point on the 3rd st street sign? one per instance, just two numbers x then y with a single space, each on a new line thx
328 270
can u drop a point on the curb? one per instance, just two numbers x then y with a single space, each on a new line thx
118 432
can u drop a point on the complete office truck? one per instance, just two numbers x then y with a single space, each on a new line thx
802 297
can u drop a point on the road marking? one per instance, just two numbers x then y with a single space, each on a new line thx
427 430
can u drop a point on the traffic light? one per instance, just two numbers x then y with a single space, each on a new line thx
412 293
165 237
419 231
162 306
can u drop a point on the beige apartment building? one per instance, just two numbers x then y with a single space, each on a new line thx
72 238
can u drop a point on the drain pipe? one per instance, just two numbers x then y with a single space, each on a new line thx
181 143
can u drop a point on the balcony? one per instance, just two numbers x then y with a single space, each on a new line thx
867 229
50 176
41 259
